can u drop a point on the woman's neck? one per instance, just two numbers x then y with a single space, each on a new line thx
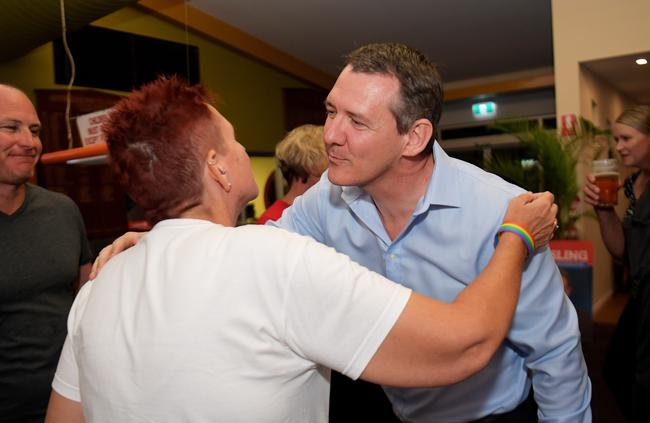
641 183
214 214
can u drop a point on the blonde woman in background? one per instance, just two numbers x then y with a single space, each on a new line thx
627 366
302 159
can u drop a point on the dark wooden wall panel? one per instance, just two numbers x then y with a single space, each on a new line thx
102 202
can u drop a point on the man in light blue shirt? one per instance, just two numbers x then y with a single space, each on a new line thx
396 203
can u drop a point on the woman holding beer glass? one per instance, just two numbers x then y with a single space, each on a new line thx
627 367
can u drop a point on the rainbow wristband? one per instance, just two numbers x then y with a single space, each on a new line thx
522 233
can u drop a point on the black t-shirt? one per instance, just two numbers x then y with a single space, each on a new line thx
42 246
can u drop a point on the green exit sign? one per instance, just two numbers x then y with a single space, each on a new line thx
484 110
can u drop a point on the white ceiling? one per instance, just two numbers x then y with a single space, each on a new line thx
466 38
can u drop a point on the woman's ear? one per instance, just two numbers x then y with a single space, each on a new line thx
217 171
418 137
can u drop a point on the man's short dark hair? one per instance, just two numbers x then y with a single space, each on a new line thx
421 93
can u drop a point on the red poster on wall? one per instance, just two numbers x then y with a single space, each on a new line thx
568 124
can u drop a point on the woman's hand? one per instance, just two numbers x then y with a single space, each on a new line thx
591 194
122 243
611 228
591 191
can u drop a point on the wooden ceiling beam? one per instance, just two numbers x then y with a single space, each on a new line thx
506 86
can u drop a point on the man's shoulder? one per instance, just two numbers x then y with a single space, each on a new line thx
44 195
481 182
52 204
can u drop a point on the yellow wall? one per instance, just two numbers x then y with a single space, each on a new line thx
585 30
33 70
249 92
262 168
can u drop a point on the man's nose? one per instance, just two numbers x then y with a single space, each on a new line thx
332 131
26 138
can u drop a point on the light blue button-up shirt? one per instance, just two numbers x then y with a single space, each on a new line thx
443 248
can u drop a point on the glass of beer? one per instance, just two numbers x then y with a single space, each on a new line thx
606 173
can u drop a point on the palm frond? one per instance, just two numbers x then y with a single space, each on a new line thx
556 159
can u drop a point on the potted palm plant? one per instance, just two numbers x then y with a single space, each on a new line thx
555 158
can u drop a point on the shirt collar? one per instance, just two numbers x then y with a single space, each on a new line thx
441 191
351 193
443 187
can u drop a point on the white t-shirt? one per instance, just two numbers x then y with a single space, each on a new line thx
204 323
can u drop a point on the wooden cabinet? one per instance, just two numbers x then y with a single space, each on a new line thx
102 202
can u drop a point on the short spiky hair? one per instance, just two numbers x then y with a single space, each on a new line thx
154 138
420 85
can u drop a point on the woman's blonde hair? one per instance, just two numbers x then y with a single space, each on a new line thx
302 153
637 117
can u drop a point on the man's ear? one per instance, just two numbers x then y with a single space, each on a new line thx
418 137
217 171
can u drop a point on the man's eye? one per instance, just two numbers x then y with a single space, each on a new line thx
9 128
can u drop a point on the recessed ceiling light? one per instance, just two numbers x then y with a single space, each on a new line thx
641 61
